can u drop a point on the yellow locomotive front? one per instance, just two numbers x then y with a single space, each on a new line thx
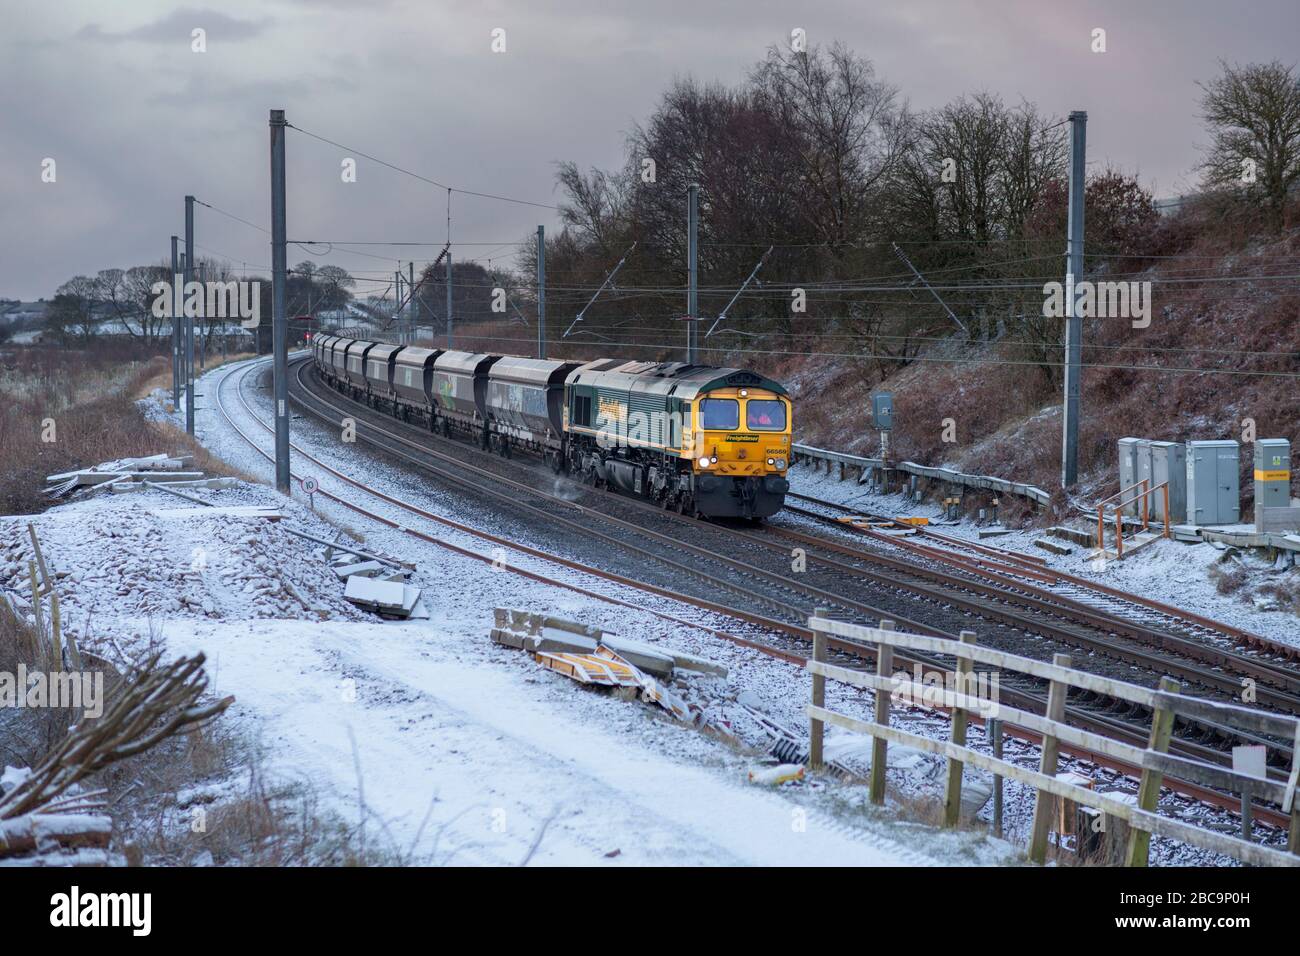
740 450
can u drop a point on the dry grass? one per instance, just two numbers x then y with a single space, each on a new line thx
204 790
1229 581
87 404
160 374
206 796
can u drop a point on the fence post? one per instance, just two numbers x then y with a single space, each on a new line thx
1044 801
816 729
1293 837
879 745
36 600
952 792
994 727
56 632
1162 728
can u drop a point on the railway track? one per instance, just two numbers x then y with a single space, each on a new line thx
967 597
982 559
790 636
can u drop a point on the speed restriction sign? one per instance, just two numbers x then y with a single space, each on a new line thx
311 486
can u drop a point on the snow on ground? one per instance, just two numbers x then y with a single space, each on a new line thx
1170 571
430 719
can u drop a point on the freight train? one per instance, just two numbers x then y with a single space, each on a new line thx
708 442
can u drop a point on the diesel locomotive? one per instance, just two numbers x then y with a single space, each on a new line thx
705 441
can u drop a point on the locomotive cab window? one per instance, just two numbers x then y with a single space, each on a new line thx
765 414
582 410
720 414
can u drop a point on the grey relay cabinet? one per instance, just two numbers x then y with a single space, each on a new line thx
1169 464
1213 476
1128 468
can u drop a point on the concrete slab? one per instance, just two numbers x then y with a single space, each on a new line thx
365 569
1055 547
1083 537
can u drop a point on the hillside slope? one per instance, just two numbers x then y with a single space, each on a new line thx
1222 347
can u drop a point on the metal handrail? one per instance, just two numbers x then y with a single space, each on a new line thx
1144 496
1138 483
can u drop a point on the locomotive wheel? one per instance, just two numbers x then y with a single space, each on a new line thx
446 428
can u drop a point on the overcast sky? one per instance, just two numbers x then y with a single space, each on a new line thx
134 119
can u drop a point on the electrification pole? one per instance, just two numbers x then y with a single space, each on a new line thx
205 325
692 290
177 282
397 302
449 340
189 319
541 292
279 323
410 302
1073 321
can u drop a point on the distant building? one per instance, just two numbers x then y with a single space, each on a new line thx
12 311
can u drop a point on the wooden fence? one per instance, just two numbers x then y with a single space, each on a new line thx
1154 760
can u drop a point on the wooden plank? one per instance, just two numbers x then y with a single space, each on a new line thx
1243 718
880 746
957 734
1135 817
1162 726
856 633
1047 764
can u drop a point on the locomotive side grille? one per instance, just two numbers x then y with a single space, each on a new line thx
648 409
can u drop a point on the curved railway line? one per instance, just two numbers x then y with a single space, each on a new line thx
992 561
769 597
1039 615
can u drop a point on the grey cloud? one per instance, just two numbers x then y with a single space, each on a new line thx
177 27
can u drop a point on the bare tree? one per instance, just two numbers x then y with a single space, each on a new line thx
128 296
851 128
73 310
1253 115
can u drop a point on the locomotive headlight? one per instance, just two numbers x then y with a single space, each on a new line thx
771 461
704 462
714 459
780 463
